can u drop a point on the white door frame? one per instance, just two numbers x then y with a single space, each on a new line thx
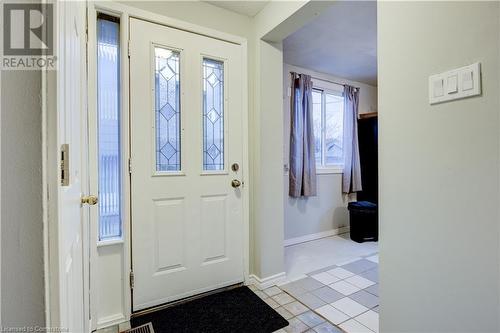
125 12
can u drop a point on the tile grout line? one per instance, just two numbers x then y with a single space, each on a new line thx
308 290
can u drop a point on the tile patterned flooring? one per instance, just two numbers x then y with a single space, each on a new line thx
337 298
332 287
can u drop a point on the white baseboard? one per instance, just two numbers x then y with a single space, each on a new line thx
311 237
111 320
268 281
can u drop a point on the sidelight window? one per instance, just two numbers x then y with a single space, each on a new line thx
109 129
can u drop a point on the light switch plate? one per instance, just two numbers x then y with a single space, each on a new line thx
467 80
458 83
452 84
438 86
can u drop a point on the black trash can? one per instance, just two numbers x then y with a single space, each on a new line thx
363 220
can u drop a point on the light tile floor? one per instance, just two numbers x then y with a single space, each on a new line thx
303 258
332 286
332 299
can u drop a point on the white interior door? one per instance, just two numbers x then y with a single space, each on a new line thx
72 136
186 134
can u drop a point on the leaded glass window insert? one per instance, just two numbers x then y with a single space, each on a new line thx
108 127
167 110
213 115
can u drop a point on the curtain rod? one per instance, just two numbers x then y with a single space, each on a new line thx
330 81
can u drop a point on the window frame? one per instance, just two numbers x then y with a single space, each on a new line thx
180 121
327 88
225 143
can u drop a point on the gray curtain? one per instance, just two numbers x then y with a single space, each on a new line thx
351 181
302 160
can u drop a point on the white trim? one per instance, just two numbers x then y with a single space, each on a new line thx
325 85
111 320
245 188
263 283
110 242
318 235
45 199
330 170
115 8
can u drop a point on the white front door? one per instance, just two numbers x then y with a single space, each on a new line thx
186 151
71 138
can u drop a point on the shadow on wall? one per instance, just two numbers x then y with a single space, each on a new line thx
341 214
300 203
335 217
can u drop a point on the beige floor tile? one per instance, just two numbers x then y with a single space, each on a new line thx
272 291
283 298
296 326
295 308
284 313
271 302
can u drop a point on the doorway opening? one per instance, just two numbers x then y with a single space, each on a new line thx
331 221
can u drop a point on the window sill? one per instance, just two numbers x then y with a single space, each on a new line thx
109 242
328 171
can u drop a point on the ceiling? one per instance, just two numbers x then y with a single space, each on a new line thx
342 41
248 8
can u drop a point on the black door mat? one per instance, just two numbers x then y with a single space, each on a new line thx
236 310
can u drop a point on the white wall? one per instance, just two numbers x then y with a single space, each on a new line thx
328 210
276 21
268 215
439 170
22 279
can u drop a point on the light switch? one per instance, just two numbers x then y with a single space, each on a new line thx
467 80
455 84
438 86
452 84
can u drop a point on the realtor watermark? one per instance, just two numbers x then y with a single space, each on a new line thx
28 36
33 329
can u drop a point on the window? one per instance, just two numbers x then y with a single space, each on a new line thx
108 127
167 110
328 116
213 115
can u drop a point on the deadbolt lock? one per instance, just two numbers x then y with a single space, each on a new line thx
89 200
235 167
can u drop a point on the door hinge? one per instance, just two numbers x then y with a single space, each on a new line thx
132 280
130 166
128 48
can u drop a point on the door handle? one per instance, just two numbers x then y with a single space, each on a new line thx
90 200
235 183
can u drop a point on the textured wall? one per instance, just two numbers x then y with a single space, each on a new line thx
439 166
22 279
